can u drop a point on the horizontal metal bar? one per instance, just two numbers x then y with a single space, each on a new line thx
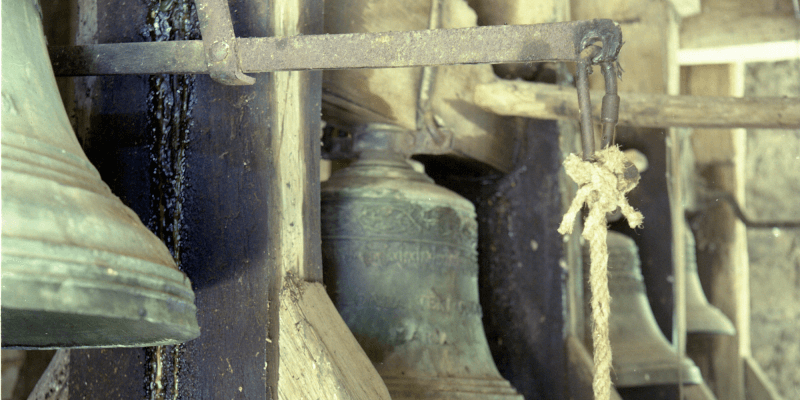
479 45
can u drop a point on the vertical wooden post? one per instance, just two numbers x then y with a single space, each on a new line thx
722 240
310 333
294 143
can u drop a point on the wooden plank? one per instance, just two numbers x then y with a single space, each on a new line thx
722 241
686 8
472 132
53 384
294 137
320 358
747 53
449 122
540 100
519 12
731 27
757 384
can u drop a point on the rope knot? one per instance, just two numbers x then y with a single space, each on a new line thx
603 183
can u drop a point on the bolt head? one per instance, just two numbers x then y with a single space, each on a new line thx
219 51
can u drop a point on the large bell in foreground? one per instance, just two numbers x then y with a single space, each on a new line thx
401 267
641 355
78 267
701 317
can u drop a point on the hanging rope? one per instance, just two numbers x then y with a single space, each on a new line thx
603 183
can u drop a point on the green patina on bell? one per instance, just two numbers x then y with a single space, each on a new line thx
701 317
79 269
401 266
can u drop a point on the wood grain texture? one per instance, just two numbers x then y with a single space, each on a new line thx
320 358
475 133
450 123
721 238
733 27
295 147
540 100
757 384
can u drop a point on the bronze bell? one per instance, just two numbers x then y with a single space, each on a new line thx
79 269
641 355
701 317
401 267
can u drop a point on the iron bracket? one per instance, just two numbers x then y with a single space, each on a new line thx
606 56
219 43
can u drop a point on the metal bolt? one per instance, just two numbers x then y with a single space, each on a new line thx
219 51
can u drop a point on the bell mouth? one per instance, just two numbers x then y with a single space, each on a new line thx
90 298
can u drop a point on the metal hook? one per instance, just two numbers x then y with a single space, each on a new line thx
585 108
609 114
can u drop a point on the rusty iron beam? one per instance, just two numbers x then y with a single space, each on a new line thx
562 41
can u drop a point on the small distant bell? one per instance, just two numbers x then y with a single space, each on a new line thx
641 355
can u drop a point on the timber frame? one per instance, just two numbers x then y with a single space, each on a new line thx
251 203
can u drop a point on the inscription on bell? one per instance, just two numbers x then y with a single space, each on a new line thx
448 304
420 256
400 264
425 302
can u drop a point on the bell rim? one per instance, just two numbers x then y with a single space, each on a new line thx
656 373
142 297
453 387
707 319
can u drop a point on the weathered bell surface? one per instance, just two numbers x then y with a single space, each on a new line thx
701 317
401 266
78 267
641 355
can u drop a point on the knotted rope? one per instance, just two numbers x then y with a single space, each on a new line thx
603 183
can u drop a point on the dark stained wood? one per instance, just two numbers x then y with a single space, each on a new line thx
228 203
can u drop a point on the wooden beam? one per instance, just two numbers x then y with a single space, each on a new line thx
686 8
295 131
757 384
757 52
731 28
320 358
721 238
538 100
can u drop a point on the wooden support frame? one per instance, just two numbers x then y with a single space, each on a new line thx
650 110
721 238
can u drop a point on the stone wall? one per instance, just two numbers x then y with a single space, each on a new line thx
773 193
